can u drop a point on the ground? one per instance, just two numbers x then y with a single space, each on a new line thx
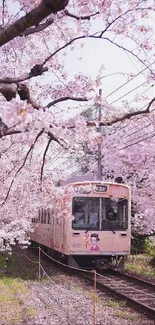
60 297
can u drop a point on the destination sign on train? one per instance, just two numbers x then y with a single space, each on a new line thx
100 188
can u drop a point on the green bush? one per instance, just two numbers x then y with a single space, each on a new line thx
142 244
138 244
149 247
152 261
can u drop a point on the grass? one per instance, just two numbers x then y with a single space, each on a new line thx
18 265
125 315
140 264
13 295
115 303
14 292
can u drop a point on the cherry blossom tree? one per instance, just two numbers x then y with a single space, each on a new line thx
36 39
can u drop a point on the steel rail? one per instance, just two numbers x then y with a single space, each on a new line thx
139 299
135 279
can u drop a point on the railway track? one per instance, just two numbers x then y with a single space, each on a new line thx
138 293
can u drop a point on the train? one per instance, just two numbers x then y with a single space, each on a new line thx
87 226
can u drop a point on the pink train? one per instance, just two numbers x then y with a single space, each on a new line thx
89 226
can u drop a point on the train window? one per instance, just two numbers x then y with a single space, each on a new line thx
86 213
39 215
100 213
44 216
49 215
114 214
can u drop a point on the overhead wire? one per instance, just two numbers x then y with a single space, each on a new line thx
125 126
144 135
129 92
132 144
125 83
142 128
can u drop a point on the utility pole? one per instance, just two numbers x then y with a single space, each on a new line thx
99 158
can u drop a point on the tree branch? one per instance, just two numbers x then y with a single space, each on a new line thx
78 99
52 137
36 70
88 17
124 14
33 18
10 92
19 169
125 49
38 28
50 21
44 156
64 46
93 37
126 116
12 132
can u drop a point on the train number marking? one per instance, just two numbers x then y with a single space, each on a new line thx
76 245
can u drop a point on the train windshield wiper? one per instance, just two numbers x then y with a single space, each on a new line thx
89 227
111 227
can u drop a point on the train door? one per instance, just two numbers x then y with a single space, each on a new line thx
51 229
58 226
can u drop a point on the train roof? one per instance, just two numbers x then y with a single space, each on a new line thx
95 182
83 180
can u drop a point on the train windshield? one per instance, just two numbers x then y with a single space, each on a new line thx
91 213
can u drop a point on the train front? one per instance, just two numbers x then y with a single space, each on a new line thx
100 232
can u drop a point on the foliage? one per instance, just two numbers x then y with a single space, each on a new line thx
140 264
138 244
152 262
142 244
149 247
17 266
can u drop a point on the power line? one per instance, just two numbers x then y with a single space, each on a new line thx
123 127
130 91
144 127
125 83
128 144
140 128
132 144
